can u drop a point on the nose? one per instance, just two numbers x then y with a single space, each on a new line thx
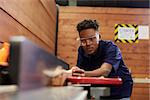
88 42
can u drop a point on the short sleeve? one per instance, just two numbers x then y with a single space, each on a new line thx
79 59
113 56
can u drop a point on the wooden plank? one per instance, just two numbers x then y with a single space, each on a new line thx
140 91
144 91
141 47
140 75
144 68
140 97
32 15
137 56
102 18
68 55
145 85
137 63
108 10
140 72
67 35
120 18
70 41
9 27
50 7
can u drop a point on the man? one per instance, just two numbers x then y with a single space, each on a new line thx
101 58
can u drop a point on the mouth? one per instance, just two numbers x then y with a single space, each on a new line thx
90 50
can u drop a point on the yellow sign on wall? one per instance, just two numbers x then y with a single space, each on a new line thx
126 33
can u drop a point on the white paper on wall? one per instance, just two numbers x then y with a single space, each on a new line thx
126 33
143 32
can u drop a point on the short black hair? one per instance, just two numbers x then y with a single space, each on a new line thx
86 24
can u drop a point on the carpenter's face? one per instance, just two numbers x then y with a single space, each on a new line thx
88 40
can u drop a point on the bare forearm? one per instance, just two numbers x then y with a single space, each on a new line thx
104 70
97 72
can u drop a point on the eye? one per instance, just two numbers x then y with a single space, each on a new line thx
92 38
83 41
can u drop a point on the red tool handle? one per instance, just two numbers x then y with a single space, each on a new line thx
95 80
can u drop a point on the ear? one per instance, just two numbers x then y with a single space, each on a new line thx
97 37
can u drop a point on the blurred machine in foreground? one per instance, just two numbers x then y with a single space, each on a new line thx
27 63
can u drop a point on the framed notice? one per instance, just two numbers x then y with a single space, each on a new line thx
126 33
